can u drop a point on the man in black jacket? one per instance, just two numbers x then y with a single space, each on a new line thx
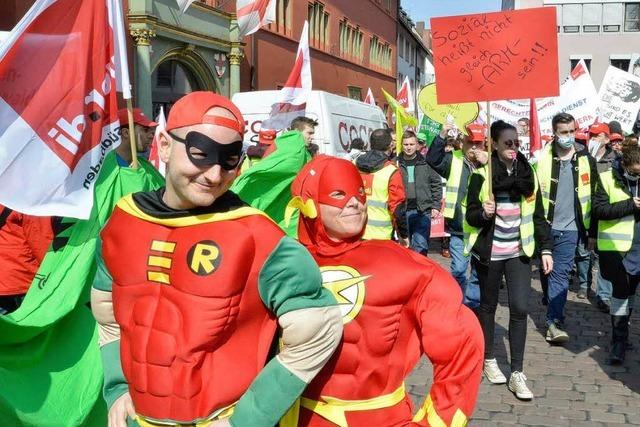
423 189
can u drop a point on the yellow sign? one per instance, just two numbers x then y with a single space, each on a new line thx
463 114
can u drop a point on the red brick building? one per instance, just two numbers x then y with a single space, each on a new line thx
353 47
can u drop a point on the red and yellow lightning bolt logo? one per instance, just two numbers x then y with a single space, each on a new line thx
347 286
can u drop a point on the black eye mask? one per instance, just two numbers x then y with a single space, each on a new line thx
228 156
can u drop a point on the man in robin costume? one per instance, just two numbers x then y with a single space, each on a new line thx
195 283
396 306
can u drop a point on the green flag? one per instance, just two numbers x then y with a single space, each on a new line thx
267 185
50 366
428 130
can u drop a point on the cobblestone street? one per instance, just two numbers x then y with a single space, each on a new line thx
573 384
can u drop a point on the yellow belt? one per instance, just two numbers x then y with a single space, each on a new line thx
220 414
333 409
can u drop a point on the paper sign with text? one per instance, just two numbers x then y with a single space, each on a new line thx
501 55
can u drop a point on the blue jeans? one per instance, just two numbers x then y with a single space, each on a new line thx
419 231
459 266
583 264
564 251
604 288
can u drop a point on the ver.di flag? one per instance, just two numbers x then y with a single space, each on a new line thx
405 96
253 14
402 118
369 99
293 96
58 109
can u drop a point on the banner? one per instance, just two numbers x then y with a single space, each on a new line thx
58 108
462 114
369 99
295 93
502 55
578 97
428 129
619 98
254 14
402 118
405 96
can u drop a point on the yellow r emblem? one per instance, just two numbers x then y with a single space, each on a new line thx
204 257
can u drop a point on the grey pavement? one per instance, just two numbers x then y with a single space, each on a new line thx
573 385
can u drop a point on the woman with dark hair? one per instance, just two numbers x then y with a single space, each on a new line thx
501 231
616 205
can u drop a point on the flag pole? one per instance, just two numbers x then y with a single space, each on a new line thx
132 135
489 148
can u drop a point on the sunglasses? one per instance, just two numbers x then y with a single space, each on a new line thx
510 143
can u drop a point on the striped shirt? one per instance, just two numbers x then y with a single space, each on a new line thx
506 234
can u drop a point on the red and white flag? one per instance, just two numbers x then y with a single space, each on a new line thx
369 99
295 93
154 156
253 14
405 96
535 136
58 109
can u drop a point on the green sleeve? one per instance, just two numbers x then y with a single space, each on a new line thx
290 280
268 398
115 385
102 280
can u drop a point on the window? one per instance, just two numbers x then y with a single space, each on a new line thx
611 28
318 25
620 63
380 54
355 92
401 47
587 61
612 17
591 17
571 18
591 28
283 16
632 17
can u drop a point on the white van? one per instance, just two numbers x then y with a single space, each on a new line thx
339 119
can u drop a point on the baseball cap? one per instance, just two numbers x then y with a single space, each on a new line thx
616 137
192 109
138 118
267 136
476 132
598 128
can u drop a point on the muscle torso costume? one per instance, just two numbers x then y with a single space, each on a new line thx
396 306
197 297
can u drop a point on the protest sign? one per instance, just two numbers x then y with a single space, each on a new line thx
502 55
578 97
463 114
619 98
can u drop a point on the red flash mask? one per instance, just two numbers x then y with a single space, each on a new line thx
343 182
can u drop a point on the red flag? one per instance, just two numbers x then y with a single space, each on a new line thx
58 109
369 99
535 138
253 14
293 96
404 96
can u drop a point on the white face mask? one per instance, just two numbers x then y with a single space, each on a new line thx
594 146
565 141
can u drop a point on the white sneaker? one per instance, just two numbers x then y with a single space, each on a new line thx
493 373
518 385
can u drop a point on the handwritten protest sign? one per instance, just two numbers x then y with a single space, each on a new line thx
502 55
578 97
463 114
620 98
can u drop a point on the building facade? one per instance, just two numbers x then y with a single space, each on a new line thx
352 47
603 33
170 53
413 56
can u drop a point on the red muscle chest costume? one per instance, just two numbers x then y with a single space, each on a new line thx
396 305
188 342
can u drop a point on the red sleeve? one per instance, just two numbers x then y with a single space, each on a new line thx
453 341
38 235
396 191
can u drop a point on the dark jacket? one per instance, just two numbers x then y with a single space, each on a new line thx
604 164
440 161
520 183
603 210
428 184
555 172
371 162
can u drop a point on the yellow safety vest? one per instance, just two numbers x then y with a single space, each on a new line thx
527 209
616 234
543 170
453 184
379 224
